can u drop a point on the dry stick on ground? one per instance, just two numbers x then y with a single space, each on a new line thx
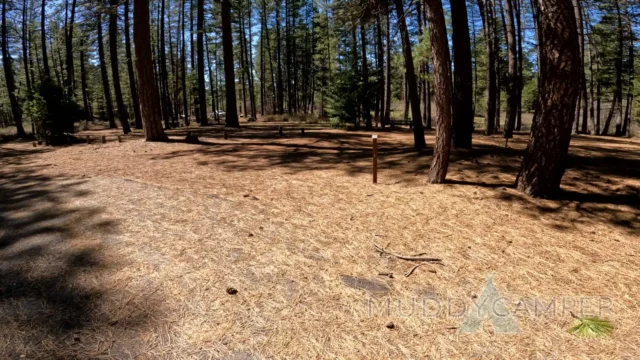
407 257
417 266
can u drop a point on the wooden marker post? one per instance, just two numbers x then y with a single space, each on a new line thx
302 131
88 139
226 135
104 139
375 158
280 131
35 144
119 139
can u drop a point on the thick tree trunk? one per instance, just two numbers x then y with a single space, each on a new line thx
229 75
463 77
113 49
149 97
8 75
132 78
105 77
544 160
488 19
442 83
512 96
418 130
202 91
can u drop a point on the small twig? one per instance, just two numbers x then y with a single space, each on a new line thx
406 257
417 266
413 269
387 274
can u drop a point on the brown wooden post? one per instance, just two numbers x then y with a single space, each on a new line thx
375 158
119 138
88 139
35 144
104 139
280 130
302 131
226 135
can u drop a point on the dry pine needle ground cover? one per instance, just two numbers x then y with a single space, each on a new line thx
127 250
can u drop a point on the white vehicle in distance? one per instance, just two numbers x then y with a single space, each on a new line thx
221 114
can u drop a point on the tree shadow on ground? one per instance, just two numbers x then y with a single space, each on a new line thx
596 179
50 263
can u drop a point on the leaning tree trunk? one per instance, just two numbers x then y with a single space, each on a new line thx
418 130
442 83
544 161
229 74
202 94
8 75
463 77
113 50
149 97
105 77
132 77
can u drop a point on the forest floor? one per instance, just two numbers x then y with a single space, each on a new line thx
127 250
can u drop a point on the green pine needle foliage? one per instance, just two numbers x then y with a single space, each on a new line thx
592 327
